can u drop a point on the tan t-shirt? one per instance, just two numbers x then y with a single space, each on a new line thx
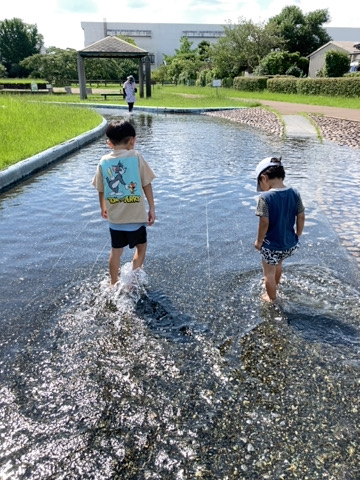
121 175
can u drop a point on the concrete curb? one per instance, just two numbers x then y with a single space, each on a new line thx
24 169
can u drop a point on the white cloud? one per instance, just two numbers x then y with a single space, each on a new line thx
59 21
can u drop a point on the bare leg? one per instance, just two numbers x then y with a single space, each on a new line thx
270 279
139 255
278 272
114 264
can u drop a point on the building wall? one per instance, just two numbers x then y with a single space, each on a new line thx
156 38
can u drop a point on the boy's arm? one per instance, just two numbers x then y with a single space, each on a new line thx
102 202
150 198
300 222
262 229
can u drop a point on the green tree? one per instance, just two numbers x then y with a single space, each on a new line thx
160 74
183 69
243 46
301 33
283 63
204 51
57 66
185 49
336 64
184 65
100 69
3 72
18 40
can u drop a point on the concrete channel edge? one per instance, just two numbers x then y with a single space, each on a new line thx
24 169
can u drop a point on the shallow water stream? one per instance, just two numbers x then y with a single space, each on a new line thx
190 375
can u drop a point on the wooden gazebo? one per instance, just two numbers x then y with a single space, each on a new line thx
113 47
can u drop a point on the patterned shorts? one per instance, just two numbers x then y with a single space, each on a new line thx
273 257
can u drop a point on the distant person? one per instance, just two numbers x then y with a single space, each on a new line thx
129 89
123 178
280 209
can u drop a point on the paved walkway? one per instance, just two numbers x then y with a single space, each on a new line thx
298 108
299 126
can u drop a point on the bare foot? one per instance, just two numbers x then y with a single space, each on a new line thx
267 299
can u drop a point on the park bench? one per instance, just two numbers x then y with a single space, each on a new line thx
112 95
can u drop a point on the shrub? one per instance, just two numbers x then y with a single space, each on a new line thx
295 71
227 82
282 85
336 64
343 86
250 84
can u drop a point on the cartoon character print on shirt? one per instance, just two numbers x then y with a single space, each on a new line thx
115 180
122 181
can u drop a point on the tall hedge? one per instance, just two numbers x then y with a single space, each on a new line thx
337 87
250 84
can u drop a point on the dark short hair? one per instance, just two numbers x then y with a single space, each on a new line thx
120 131
275 171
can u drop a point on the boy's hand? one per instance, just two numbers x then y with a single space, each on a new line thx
151 216
258 245
104 213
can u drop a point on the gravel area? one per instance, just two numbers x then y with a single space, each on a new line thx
340 131
343 132
255 117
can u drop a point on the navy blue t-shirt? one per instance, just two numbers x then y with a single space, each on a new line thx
281 206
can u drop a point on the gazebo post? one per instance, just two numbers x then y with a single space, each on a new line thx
82 79
141 79
148 76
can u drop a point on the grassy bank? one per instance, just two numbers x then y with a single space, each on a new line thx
28 128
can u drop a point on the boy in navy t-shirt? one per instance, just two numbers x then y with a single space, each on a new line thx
280 209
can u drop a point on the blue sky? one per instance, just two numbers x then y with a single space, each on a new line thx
59 21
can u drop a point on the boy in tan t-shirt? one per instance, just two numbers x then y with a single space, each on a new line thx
122 179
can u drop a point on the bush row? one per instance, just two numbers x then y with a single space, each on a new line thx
338 87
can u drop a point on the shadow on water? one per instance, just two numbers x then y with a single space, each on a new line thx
322 307
161 317
181 372
324 329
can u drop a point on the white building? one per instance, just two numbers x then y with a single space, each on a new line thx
163 38
156 38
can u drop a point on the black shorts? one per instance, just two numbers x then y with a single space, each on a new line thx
121 238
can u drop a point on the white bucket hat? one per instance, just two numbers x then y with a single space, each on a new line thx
263 165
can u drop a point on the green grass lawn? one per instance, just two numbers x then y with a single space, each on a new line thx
29 127
181 96
32 123
171 96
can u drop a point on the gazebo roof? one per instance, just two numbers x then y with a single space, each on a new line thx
113 47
